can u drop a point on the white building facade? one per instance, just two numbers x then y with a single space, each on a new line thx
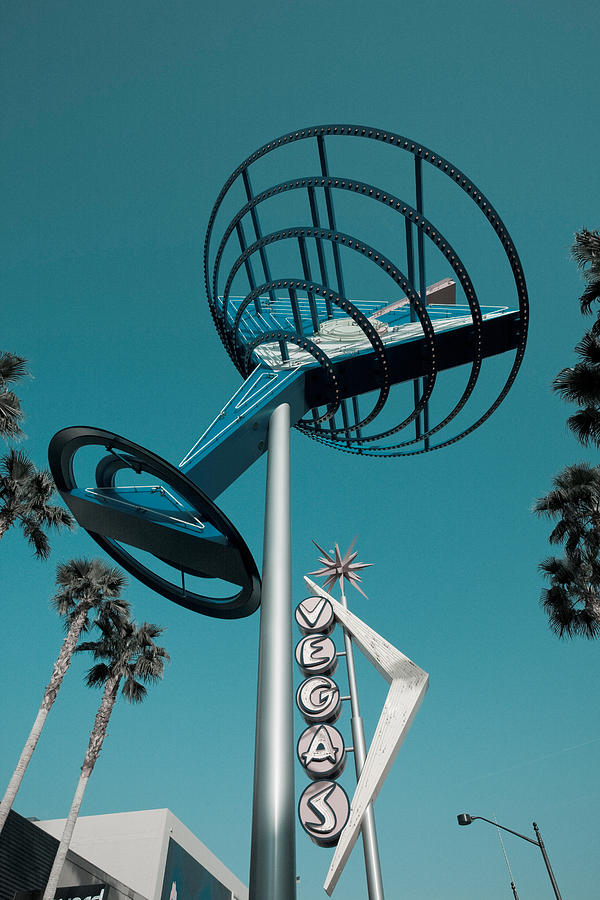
153 853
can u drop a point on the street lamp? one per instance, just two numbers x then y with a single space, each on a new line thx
466 819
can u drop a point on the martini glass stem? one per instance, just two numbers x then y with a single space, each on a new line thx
273 850
369 834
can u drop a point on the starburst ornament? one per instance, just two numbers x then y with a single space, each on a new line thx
338 567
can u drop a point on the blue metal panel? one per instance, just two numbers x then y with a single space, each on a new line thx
238 434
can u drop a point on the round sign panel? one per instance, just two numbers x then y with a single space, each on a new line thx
315 616
318 699
159 512
316 655
321 751
323 811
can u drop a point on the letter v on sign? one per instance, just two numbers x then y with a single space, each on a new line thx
408 685
312 615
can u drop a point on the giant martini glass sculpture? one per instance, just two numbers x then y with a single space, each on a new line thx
289 247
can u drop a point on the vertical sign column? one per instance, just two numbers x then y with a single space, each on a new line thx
324 807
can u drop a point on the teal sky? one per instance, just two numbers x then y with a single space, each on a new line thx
120 123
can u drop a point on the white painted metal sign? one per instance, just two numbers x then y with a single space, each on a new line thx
408 685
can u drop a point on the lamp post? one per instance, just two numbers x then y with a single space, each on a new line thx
466 819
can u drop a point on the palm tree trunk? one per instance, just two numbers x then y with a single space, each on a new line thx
58 673
95 745
61 853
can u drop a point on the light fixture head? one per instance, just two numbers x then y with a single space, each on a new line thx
464 819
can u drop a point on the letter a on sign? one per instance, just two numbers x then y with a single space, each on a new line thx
321 747
408 685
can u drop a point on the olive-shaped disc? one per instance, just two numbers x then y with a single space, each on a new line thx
170 518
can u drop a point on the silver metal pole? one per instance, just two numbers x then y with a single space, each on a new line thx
273 850
369 835
547 862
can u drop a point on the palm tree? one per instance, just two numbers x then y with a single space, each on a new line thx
581 383
83 585
12 368
25 499
124 653
586 253
572 601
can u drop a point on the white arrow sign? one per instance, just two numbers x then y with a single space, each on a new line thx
408 685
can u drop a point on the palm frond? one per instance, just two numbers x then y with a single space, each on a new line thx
588 348
590 294
93 577
546 505
11 415
560 571
125 650
579 384
62 602
98 649
574 538
572 601
57 517
575 485
577 475
134 691
114 581
42 487
560 531
147 632
150 666
16 468
587 625
12 367
128 650
36 537
113 613
586 248
10 504
97 675
585 425
82 581
28 492
66 573
562 616
586 253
